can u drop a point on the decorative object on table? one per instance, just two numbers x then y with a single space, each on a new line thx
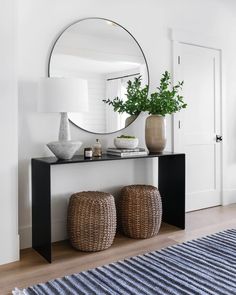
91 220
119 151
63 95
64 149
126 142
166 100
135 102
178 269
88 153
155 133
127 152
140 211
97 149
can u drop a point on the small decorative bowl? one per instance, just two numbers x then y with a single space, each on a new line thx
64 150
126 143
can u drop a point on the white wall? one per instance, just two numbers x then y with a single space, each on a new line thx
9 241
149 21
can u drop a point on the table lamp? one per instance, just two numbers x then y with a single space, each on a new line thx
62 95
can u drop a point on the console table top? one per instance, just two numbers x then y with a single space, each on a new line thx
105 157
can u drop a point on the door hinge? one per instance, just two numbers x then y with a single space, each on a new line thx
178 59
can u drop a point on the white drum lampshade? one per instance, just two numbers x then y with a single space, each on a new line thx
62 95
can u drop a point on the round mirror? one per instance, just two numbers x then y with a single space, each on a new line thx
105 56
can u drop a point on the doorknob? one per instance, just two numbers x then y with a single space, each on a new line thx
219 138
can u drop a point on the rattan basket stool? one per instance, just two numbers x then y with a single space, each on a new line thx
91 221
140 211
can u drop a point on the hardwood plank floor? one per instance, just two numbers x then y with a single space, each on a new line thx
32 268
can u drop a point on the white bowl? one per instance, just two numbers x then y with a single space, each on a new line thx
64 150
126 143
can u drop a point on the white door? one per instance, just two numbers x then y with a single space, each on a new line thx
196 128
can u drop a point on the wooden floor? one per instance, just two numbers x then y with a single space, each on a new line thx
32 268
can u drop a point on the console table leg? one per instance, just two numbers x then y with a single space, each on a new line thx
171 178
41 209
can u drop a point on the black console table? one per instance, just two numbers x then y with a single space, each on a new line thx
171 179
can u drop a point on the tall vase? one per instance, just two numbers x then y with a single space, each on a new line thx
155 133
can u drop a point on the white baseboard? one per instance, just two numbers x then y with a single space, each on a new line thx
11 251
25 233
58 233
201 200
229 197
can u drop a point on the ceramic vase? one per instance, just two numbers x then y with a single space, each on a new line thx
155 133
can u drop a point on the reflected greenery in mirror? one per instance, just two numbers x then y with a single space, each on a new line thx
136 99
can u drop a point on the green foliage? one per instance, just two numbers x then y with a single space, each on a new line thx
136 99
166 100
126 136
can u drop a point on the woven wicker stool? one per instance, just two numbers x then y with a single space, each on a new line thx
91 221
140 211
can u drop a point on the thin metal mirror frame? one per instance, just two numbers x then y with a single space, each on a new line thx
105 19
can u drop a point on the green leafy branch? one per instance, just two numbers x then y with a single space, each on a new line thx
166 100
136 99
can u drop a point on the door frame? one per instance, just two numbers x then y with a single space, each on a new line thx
201 40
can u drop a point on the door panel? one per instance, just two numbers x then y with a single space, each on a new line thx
196 127
201 174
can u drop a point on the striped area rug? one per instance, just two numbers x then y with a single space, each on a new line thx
203 266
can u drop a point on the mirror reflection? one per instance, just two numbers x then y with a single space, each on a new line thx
106 57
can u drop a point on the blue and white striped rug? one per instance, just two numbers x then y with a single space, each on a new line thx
203 266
